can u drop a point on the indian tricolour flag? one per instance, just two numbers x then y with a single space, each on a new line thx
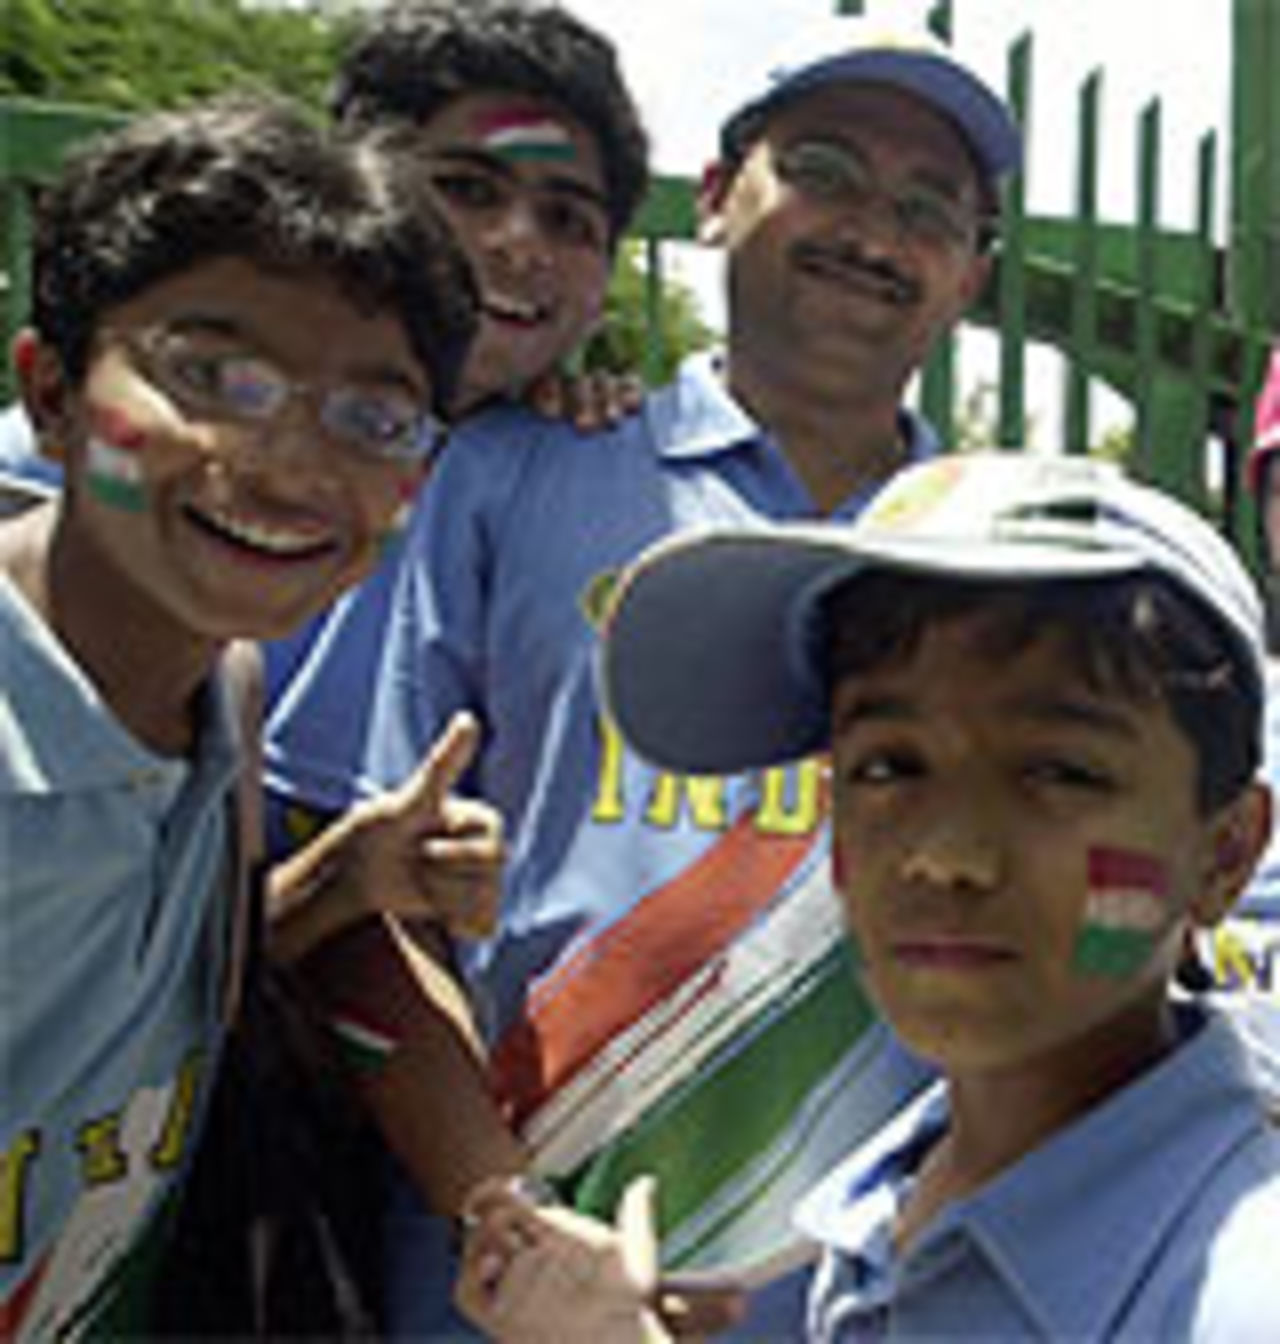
113 468
527 135
367 1044
715 1036
1125 911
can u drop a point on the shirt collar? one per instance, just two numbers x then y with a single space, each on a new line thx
64 738
696 415
1144 1154
1030 1224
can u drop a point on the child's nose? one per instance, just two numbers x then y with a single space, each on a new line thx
294 440
519 236
959 850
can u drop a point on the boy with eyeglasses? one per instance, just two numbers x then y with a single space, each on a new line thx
242 333
1040 687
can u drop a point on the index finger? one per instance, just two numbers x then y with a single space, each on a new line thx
446 761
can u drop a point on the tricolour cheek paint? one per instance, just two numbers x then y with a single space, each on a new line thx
113 466
521 134
1125 912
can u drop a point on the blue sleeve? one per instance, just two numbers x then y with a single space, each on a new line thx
356 707
435 655
320 687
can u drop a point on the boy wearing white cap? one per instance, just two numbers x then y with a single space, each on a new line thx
1041 686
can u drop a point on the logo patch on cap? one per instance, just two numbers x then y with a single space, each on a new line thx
915 496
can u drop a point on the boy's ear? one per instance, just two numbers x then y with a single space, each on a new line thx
712 190
46 393
1235 840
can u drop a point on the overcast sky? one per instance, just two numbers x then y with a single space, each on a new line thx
687 59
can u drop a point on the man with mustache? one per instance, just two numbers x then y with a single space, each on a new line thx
659 995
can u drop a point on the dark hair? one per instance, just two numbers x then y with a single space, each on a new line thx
751 123
254 179
418 55
1137 634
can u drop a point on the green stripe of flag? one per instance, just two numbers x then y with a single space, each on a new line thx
535 153
1118 953
119 494
718 1122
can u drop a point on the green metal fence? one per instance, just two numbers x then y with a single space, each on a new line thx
1179 322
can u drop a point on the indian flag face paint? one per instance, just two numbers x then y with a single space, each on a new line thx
113 465
524 134
1124 915
365 1044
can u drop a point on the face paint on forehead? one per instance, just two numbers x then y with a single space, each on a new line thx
1126 910
523 133
113 466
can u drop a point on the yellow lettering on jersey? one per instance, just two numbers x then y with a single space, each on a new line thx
610 804
301 824
704 795
791 799
1237 966
102 1158
13 1186
169 1147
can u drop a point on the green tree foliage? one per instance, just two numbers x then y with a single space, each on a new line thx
622 342
136 54
1116 444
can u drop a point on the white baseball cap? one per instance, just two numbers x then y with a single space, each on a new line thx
712 660
844 50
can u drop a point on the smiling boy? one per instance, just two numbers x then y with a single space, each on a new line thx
1041 688
519 116
241 336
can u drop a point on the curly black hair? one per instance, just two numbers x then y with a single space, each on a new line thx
417 55
257 179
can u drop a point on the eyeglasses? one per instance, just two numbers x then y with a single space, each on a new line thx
211 374
824 170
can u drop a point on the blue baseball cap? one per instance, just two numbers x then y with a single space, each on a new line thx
857 51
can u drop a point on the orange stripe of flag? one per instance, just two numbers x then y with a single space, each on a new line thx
616 978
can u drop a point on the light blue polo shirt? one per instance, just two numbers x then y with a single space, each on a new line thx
1154 1217
115 885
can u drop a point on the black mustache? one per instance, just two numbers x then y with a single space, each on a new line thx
850 258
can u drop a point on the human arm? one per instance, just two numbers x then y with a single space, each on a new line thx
415 851
429 1093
